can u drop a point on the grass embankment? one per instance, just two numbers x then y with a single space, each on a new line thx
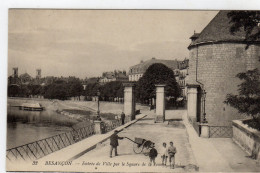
90 115
85 117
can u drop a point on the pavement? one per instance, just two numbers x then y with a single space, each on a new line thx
219 154
193 152
129 161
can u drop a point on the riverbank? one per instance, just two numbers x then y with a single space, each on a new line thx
58 117
87 106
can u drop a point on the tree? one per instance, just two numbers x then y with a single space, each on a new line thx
91 89
75 87
35 89
57 90
24 91
13 90
249 21
112 89
248 99
157 74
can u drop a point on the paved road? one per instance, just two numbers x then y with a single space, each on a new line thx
160 132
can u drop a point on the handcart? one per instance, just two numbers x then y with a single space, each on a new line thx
141 145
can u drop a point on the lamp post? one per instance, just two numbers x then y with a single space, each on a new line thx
204 102
98 94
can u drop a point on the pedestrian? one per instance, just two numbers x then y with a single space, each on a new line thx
123 118
172 151
152 155
164 154
114 142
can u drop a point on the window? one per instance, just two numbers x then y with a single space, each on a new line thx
239 52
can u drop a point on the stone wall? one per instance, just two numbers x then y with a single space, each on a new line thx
217 67
247 138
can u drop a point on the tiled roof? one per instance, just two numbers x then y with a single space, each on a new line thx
92 80
25 75
143 66
112 75
109 75
217 30
121 75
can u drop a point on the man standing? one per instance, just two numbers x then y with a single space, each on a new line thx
114 142
123 118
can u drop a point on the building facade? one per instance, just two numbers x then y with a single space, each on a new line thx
113 76
216 57
183 76
137 71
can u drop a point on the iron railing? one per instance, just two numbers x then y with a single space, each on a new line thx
110 125
38 149
43 147
220 132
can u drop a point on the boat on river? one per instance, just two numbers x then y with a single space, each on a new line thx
31 107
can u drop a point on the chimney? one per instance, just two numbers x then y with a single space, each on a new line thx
15 72
38 73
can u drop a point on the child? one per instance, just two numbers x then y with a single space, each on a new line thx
164 154
172 151
152 155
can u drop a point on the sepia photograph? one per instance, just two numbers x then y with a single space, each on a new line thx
133 90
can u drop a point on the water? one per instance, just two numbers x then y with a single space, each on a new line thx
28 126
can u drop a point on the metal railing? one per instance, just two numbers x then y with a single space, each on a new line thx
220 132
43 147
110 125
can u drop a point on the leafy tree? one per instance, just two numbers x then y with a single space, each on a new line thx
75 87
248 99
249 21
35 89
13 90
157 74
91 89
57 90
24 91
112 89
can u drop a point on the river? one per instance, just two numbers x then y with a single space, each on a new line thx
28 126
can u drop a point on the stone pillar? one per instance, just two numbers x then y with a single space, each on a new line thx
192 100
160 103
204 130
98 127
153 101
129 101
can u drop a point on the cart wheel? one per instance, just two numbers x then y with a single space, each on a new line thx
146 149
138 148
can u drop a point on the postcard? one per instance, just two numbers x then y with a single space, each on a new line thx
133 90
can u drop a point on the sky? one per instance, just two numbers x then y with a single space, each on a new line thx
85 43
